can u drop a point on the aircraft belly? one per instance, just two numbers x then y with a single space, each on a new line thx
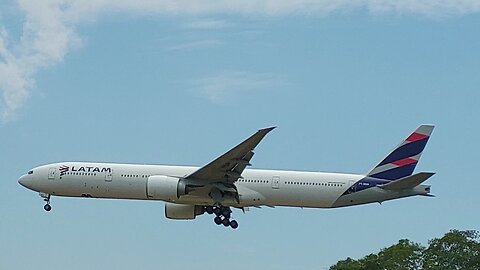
371 195
250 197
130 189
304 198
99 188
322 198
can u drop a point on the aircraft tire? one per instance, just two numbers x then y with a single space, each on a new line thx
226 222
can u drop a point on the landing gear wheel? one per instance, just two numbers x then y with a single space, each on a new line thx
223 215
234 224
226 214
217 220
46 199
226 222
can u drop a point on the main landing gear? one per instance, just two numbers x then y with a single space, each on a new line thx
46 198
222 216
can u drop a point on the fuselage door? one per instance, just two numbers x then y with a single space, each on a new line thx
276 182
109 176
51 173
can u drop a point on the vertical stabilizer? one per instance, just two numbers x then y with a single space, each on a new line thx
402 160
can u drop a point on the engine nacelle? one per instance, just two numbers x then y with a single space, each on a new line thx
166 188
182 211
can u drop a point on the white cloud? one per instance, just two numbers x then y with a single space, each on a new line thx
208 24
228 85
47 36
14 83
274 7
199 44
430 8
49 27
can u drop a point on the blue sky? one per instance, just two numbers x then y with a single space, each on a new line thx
147 82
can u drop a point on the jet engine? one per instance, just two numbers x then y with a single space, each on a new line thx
166 188
183 211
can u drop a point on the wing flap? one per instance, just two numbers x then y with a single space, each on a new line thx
408 182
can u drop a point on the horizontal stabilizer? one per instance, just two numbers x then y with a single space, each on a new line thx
407 182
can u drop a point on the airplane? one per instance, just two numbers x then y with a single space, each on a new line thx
225 183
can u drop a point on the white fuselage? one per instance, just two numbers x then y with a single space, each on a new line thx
256 188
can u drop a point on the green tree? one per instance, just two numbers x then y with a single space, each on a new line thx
455 250
404 255
348 264
370 262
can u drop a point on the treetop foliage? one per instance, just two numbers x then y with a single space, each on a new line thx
454 251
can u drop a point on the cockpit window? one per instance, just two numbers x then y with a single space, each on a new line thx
30 172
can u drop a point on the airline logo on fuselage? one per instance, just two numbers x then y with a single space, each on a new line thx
88 169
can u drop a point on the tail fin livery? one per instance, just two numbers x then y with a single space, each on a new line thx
402 160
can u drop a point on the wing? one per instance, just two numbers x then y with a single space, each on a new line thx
229 167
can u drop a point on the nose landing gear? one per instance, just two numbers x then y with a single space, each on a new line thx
46 198
222 216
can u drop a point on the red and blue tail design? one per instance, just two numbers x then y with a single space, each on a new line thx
402 160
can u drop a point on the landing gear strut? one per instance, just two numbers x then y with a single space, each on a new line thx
222 216
46 198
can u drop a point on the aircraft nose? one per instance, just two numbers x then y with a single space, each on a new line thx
25 181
